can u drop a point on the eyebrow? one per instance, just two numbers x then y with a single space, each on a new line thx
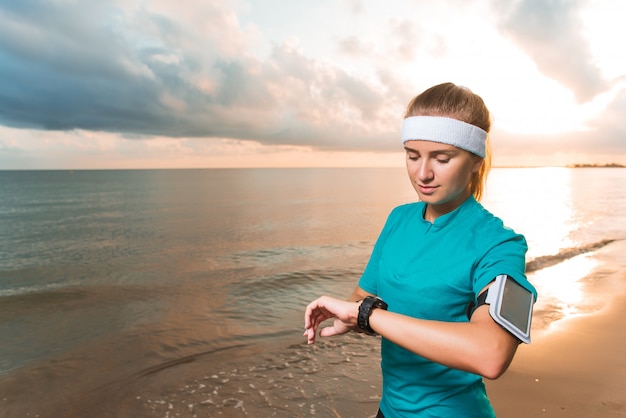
435 152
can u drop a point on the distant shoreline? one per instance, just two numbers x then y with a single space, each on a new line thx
72 171
610 165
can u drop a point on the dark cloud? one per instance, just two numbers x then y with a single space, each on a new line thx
64 69
194 72
83 65
551 33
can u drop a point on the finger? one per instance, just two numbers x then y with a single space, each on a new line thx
310 312
328 332
318 316
310 334
312 320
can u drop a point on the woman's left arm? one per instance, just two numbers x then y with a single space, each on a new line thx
480 346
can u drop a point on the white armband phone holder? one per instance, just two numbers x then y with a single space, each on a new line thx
510 306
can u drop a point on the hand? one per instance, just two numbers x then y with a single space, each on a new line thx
326 307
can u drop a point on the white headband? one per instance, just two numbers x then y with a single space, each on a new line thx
446 131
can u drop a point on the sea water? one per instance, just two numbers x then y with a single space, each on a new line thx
114 281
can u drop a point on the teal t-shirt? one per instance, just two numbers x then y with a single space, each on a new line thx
432 271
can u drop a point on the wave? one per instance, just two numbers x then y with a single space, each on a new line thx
277 296
283 281
300 279
566 253
26 290
283 255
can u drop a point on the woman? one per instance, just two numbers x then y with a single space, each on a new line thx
431 260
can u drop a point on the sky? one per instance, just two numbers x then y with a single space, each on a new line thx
115 84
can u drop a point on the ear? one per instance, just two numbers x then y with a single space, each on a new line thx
477 163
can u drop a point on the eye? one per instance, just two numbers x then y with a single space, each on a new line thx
443 157
412 157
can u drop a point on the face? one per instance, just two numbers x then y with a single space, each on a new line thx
440 174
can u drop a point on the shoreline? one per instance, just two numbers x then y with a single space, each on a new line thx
574 367
577 368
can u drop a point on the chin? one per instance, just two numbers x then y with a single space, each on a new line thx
431 200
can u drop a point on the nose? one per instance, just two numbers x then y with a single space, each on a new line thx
424 170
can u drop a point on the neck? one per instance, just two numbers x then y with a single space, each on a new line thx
433 211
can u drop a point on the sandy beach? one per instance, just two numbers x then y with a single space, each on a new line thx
577 368
574 367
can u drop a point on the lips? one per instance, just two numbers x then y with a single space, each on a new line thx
427 189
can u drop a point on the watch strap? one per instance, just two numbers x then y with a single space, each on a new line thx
365 311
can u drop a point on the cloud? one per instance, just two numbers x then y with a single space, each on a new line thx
551 32
115 68
608 131
601 140
354 46
233 72
356 6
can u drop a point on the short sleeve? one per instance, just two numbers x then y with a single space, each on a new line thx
506 255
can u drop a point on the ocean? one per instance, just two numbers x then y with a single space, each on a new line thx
124 291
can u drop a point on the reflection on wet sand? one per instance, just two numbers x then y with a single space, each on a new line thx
335 377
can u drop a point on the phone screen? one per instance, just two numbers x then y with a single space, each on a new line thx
516 305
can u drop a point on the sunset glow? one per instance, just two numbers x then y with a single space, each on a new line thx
262 84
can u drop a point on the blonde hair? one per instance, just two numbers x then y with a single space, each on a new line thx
450 100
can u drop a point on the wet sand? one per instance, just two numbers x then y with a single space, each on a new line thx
575 367
338 377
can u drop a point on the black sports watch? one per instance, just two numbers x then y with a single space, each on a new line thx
365 310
